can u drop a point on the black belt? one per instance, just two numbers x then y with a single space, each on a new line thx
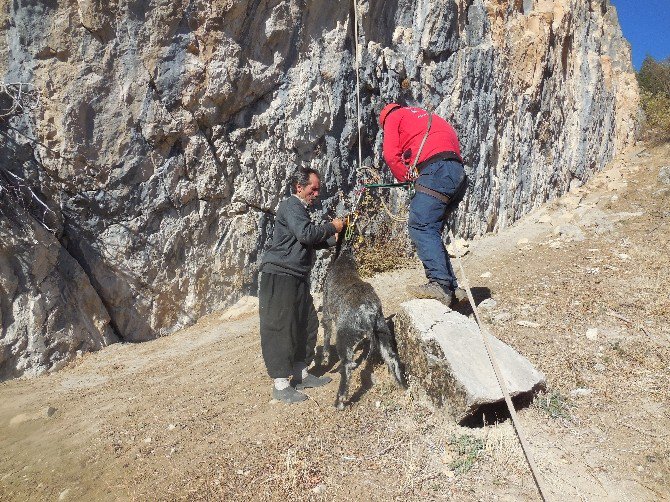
440 156
432 193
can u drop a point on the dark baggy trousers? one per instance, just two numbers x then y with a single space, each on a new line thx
289 323
426 218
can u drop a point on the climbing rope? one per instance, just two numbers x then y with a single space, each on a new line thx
351 222
357 63
374 177
374 181
501 381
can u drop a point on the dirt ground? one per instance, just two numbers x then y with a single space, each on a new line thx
581 289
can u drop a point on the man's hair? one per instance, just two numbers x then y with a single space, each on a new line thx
301 177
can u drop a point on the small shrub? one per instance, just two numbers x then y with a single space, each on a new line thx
554 404
656 109
469 449
654 81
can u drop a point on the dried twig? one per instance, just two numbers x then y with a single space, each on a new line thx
383 450
619 316
22 97
315 401
626 320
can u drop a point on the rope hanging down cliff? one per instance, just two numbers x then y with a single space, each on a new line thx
374 180
503 386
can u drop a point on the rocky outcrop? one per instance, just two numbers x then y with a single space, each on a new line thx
444 354
48 309
166 131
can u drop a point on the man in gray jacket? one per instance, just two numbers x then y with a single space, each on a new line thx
288 318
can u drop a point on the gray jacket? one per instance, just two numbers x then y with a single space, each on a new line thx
294 240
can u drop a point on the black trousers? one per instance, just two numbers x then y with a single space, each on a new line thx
289 323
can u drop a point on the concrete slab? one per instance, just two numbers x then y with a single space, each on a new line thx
444 354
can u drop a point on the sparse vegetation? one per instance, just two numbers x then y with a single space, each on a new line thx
654 80
383 248
469 449
554 404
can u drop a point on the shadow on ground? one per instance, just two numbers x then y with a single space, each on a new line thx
479 294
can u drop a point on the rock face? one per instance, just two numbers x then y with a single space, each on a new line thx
48 308
444 354
165 131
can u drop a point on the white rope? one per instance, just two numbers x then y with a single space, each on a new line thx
484 332
358 84
501 381
361 169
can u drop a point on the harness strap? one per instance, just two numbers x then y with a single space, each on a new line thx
432 193
413 171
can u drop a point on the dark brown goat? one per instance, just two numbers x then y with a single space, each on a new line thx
352 305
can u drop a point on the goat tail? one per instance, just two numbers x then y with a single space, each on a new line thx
387 351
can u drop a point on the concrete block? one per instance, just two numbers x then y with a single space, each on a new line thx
444 355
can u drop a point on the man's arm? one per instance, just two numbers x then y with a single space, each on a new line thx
392 148
304 229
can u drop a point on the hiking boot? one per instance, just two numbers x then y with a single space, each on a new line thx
431 290
288 395
311 381
459 295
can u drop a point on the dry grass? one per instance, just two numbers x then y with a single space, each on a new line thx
384 245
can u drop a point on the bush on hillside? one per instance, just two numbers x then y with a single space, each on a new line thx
654 81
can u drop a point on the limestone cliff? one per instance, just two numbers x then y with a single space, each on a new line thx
166 130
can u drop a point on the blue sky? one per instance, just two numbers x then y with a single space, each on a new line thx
646 25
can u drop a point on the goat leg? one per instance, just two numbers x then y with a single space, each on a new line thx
327 323
327 333
347 365
389 355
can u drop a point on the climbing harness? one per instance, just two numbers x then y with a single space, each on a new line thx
414 172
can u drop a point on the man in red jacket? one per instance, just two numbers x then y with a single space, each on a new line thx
411 132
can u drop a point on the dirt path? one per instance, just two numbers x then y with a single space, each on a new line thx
581 289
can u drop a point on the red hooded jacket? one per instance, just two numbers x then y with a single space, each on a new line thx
404 130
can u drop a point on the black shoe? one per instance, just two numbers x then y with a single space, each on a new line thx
288 395
311 381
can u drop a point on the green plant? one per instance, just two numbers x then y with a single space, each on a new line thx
654 76
656 109
554 404
654 81
469 449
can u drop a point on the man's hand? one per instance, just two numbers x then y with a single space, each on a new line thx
338 223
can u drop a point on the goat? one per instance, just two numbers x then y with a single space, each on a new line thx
352 305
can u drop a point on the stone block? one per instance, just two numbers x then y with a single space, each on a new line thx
444 356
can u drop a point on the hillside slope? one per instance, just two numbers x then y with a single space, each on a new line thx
581 290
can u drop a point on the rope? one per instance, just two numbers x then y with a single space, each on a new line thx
351 221
414 171
358 84
501 381
362 169
376 177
